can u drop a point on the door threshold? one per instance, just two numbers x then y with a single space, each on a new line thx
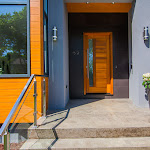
104 94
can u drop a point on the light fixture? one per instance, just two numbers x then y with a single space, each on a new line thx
54 33
146 34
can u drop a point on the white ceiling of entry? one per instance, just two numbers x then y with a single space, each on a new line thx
98 1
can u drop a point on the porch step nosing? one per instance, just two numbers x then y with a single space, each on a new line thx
140 143
63 133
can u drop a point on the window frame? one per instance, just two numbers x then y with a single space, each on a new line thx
27 3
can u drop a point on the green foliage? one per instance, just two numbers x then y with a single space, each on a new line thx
13 42
1 71
146 84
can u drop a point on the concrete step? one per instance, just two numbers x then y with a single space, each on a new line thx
94 119
136 143
68 133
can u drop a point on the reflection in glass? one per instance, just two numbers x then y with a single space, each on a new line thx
9 1
13 39
45 22
45 46
13 0
45 6
90 62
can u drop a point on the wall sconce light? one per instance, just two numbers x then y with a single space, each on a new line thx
146 34
54 33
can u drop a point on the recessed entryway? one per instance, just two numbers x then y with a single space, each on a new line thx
117 25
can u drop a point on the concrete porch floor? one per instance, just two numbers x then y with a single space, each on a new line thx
105 113
95 124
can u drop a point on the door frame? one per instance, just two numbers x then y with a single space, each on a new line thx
85 36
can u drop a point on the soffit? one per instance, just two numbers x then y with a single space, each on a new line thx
98 1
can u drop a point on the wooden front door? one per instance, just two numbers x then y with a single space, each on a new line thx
98 63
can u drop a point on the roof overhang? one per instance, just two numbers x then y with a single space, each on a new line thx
98 1
98 7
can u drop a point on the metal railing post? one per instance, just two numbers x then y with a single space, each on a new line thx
7 140
44 98
35 102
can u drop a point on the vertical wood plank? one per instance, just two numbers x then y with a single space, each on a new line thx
94 62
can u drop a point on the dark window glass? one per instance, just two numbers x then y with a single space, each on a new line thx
91 62
46 70
45 46
13 39
45 6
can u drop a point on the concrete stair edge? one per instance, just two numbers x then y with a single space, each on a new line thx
88 133
141 143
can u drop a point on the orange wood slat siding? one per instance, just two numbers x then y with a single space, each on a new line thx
10 88
98 7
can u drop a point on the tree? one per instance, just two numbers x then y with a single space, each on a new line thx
13 42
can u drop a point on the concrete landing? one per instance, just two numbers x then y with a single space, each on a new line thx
97 119
93 122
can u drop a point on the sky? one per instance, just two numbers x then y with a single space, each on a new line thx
10 8
13 0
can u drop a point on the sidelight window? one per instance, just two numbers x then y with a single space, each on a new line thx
45 22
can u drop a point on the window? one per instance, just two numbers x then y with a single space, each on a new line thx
14 38
45 22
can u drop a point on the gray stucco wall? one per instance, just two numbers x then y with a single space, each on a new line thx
130 16
66 55
58 54
140 53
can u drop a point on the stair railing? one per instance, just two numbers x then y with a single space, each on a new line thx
4 128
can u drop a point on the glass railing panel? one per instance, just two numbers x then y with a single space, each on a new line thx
22 120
